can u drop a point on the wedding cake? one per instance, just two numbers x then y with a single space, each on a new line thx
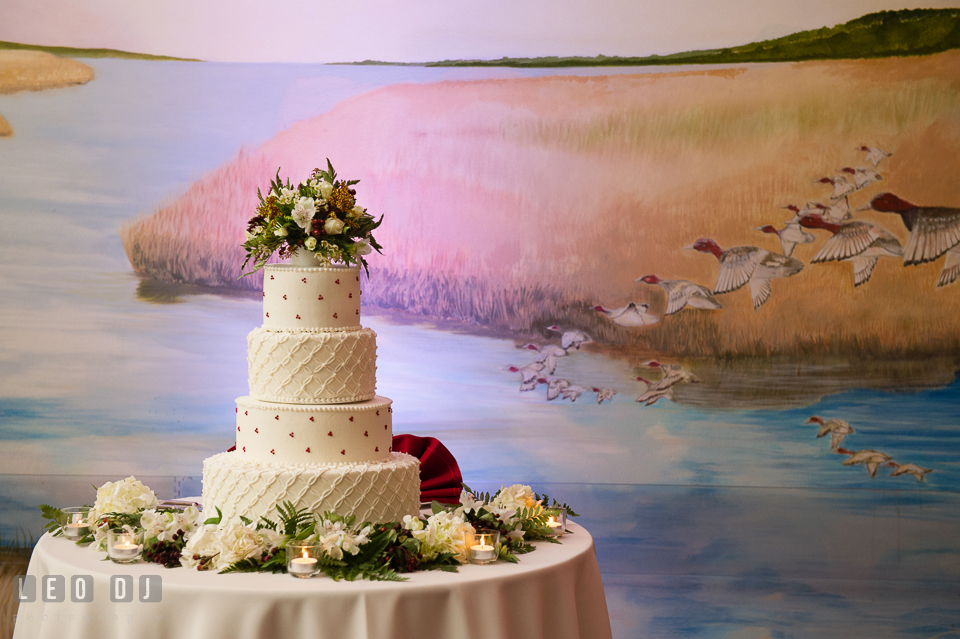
312 431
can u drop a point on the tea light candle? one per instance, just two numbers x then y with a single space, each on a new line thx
76 530
555 526
126 550
483 552
305 565
483 547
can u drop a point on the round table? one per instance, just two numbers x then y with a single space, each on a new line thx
554 591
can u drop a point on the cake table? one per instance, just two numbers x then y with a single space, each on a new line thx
553 592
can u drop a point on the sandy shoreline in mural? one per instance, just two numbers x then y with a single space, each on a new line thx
37 71
517 204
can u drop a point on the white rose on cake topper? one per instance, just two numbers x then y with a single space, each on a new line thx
333 226
303 212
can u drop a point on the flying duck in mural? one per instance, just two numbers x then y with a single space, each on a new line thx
874 154
862 178
654 391
741 265
909 469
836 428
790 235
838 212
681 293
858 242
870 458
841 186
630 315
573 338
934 231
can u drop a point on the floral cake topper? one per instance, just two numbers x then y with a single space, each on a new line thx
320 216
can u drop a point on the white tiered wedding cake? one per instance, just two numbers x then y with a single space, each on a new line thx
312 431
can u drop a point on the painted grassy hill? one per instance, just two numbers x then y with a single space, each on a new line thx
875 35
73 52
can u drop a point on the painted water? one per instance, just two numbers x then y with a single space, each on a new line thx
720 514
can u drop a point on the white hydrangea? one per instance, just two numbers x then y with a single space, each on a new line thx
126 496
201 543
516 497
442 533
236 542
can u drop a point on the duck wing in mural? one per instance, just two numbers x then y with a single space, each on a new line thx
909 469
874 155
681 293
858 242
790 235
836 428
841 186
573 338
862 178
870 458
934 231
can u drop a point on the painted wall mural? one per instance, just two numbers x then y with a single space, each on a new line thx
714 306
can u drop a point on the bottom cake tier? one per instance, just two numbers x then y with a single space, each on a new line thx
378 491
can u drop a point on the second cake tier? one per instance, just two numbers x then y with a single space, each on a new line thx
312 368
314 434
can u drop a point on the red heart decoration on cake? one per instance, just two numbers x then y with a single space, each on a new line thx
311 418
334 316
256 430
358 312
277 417
390 449
366 434
319 297
343 452
291 434
236 410
284 297
308 449
264 293
238 429
376 449
267 314
378 413
244 449
330 433
358 278
350 296
351 418
384 427
271 277
298 317
389 409
245 413
337 281
271 452
304 280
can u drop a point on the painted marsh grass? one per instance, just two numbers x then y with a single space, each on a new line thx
516 204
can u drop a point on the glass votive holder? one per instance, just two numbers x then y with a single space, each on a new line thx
124 545
303 560
556 521
483 546
75 522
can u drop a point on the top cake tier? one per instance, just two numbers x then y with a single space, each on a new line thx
311 298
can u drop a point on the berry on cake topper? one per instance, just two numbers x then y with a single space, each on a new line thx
319 215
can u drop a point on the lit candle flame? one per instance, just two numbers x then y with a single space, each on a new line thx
305 554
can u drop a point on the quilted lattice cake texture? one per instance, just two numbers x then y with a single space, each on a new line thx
312 368
373 491
314 433
298 298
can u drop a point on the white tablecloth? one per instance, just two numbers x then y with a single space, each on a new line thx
553 592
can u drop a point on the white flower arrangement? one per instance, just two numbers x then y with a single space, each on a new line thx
175 536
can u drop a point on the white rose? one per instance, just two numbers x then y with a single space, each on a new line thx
333 226
310 243
325 189
235 543
355 212
304 211
443 533
125 496
203 542
280 232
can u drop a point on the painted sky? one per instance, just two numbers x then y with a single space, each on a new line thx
418 30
